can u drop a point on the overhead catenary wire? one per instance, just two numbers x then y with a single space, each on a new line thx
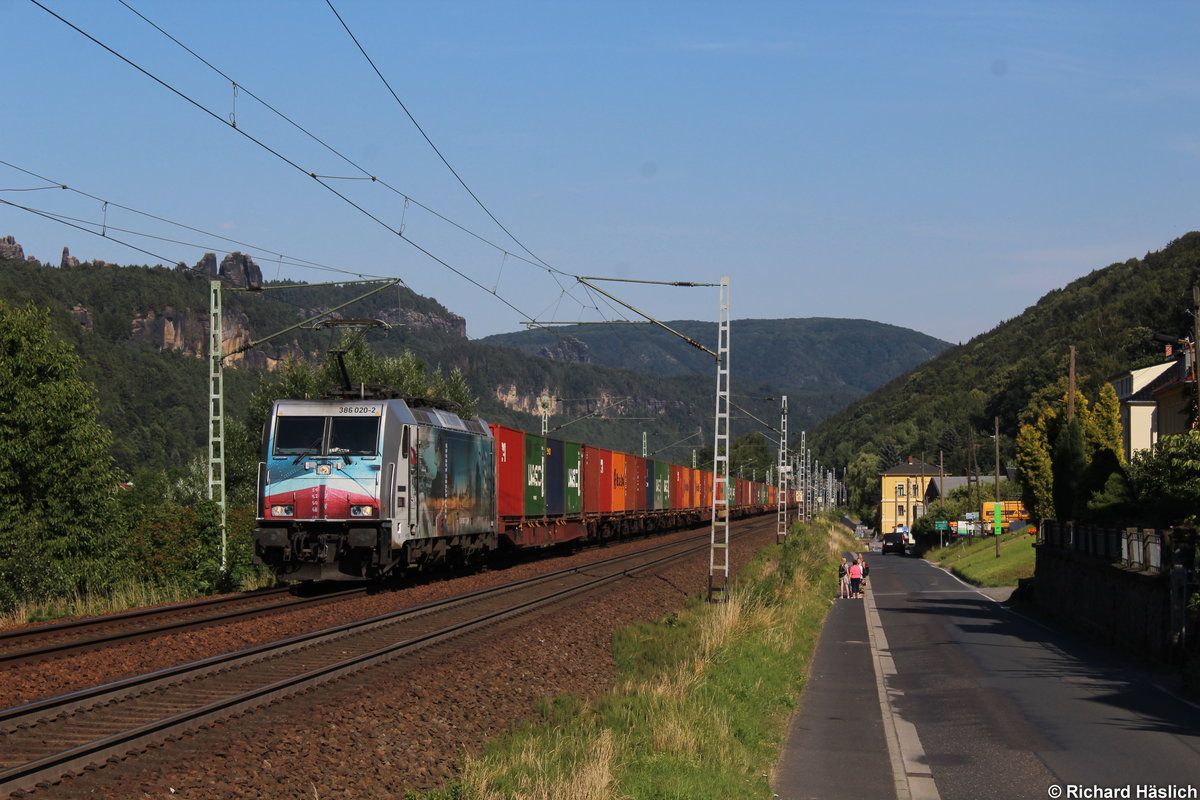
367 174
84 229
278 255
429 141
424 251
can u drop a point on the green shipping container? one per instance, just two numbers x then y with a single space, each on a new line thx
574 467
535 475
662 485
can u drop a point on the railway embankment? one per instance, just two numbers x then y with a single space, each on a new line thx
699 703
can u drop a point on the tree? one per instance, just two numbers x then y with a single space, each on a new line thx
1069 464
750 457
1102 425
1167 481
58 481
862 480
1036 470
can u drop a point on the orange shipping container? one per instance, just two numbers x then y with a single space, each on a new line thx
618 481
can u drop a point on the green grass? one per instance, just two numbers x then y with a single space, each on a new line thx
122 598
976 562
700 705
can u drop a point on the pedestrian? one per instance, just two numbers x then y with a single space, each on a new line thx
843 580
862 562
855 579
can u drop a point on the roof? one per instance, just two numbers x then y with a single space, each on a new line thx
1160 383
912 467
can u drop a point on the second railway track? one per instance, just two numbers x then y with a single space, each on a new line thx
58 639
43 741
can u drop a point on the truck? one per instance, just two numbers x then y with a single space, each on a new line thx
1011 511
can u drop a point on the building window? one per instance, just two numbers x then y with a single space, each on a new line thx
899 490
899 511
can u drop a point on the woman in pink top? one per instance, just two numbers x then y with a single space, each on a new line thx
855 579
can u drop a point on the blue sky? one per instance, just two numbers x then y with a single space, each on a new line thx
934 165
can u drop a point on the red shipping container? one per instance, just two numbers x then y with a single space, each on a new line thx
635 488
510 470
597 480
676 486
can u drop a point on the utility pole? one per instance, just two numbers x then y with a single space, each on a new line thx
996 510
1071 387
718 551
941 488
973 473
1195 341
781 500
216 408
544 402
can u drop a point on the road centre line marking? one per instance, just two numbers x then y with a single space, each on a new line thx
910 768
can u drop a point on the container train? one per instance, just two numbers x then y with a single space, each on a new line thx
360 489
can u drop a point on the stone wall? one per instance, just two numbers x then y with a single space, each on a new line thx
1125 608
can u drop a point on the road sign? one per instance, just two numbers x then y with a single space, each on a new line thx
940 525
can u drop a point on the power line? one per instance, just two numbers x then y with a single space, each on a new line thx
421 130
278 256
366 174
63 221
280 156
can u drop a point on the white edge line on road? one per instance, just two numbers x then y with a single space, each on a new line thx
1167 690
910 770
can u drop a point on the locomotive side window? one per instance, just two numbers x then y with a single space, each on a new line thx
354 436
299 435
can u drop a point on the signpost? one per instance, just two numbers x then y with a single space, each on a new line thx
941 526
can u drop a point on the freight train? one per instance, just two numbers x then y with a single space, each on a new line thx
357 489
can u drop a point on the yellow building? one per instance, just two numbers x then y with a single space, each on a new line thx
905 490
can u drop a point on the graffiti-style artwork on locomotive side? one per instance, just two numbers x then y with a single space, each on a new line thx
455 486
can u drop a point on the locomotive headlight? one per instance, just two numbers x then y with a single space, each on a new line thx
362 511
283 511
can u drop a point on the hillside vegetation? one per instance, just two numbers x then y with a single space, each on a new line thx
803 357
140 332
1109 315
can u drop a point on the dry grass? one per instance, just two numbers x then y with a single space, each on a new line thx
570 768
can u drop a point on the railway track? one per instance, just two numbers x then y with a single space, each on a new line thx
43 741
29 645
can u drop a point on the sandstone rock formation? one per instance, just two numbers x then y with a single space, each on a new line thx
207 265
240 270
10 249
568 349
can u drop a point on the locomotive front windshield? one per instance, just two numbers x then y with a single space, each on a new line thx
326 436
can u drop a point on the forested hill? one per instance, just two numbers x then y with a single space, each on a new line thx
141 334
845 356
1109 315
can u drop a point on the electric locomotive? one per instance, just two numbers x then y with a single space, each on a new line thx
353 489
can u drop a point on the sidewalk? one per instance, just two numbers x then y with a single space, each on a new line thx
835 746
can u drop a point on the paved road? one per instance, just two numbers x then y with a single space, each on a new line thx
977 702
